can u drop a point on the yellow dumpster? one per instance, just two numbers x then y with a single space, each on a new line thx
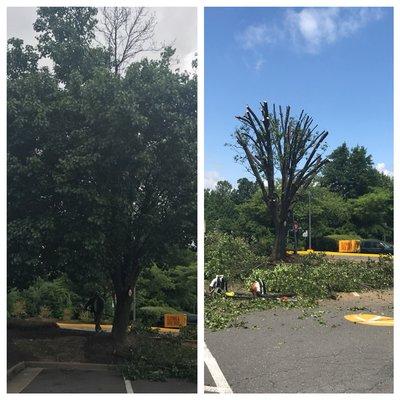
175 320
349 246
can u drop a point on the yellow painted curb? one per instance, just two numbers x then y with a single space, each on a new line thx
370 319
65 325
335 253
165 330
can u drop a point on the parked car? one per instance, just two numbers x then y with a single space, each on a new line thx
376 246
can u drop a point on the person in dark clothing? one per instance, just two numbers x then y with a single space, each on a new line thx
96 305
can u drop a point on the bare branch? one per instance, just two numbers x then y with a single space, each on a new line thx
127 32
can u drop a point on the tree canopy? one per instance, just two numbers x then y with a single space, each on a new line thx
101 168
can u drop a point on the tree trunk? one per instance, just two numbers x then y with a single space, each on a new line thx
121 318
279 249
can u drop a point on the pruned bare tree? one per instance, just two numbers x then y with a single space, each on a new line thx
280 144
127 32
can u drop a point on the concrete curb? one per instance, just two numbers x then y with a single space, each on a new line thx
71 365
17 368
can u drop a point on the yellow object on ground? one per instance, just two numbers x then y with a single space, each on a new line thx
83 327
229 294
370 319
335 253
172 331
349 246
175 320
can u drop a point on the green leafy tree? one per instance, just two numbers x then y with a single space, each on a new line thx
372 214
351 172
280 144
65 35
21 59
330 213
219 208
245 190
101 172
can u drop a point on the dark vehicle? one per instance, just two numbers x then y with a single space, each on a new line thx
375 246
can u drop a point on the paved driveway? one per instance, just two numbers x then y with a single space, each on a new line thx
291 351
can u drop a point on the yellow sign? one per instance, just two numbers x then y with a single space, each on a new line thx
175 320
370 319
349 246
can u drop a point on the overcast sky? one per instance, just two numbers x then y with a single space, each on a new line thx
177 25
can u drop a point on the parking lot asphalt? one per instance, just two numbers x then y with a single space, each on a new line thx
310 351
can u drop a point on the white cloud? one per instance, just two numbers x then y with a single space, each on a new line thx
211 178
309 29
312 28
381 167
253 36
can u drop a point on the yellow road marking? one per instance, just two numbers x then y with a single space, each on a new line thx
370 319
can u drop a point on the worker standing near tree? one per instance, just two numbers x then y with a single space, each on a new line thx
96 306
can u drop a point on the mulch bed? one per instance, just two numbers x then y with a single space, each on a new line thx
35 340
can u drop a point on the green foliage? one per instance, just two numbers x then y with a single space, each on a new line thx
169 286
21 59
101 169
161 359
331 242
188 332
65 35
230 256
221 312
16 306
318 277
219 208
151 314
50 297
372 213
351 173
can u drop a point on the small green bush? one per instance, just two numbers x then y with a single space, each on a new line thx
16 306
230 256
44 312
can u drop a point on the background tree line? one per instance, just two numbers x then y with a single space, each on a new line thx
348 197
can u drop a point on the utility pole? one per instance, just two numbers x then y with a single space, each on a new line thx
309 220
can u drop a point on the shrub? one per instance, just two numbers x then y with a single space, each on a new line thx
16 306
331 242
151 315
230 256
68 313
44 312
55 295
85 316
318 277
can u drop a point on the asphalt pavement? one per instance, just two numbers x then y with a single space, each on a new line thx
310 351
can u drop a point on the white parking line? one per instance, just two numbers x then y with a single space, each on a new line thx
222 385
23 379
128 385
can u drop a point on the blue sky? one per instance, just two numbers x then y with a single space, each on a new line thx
335 63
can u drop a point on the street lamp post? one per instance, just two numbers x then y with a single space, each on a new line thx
309 220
